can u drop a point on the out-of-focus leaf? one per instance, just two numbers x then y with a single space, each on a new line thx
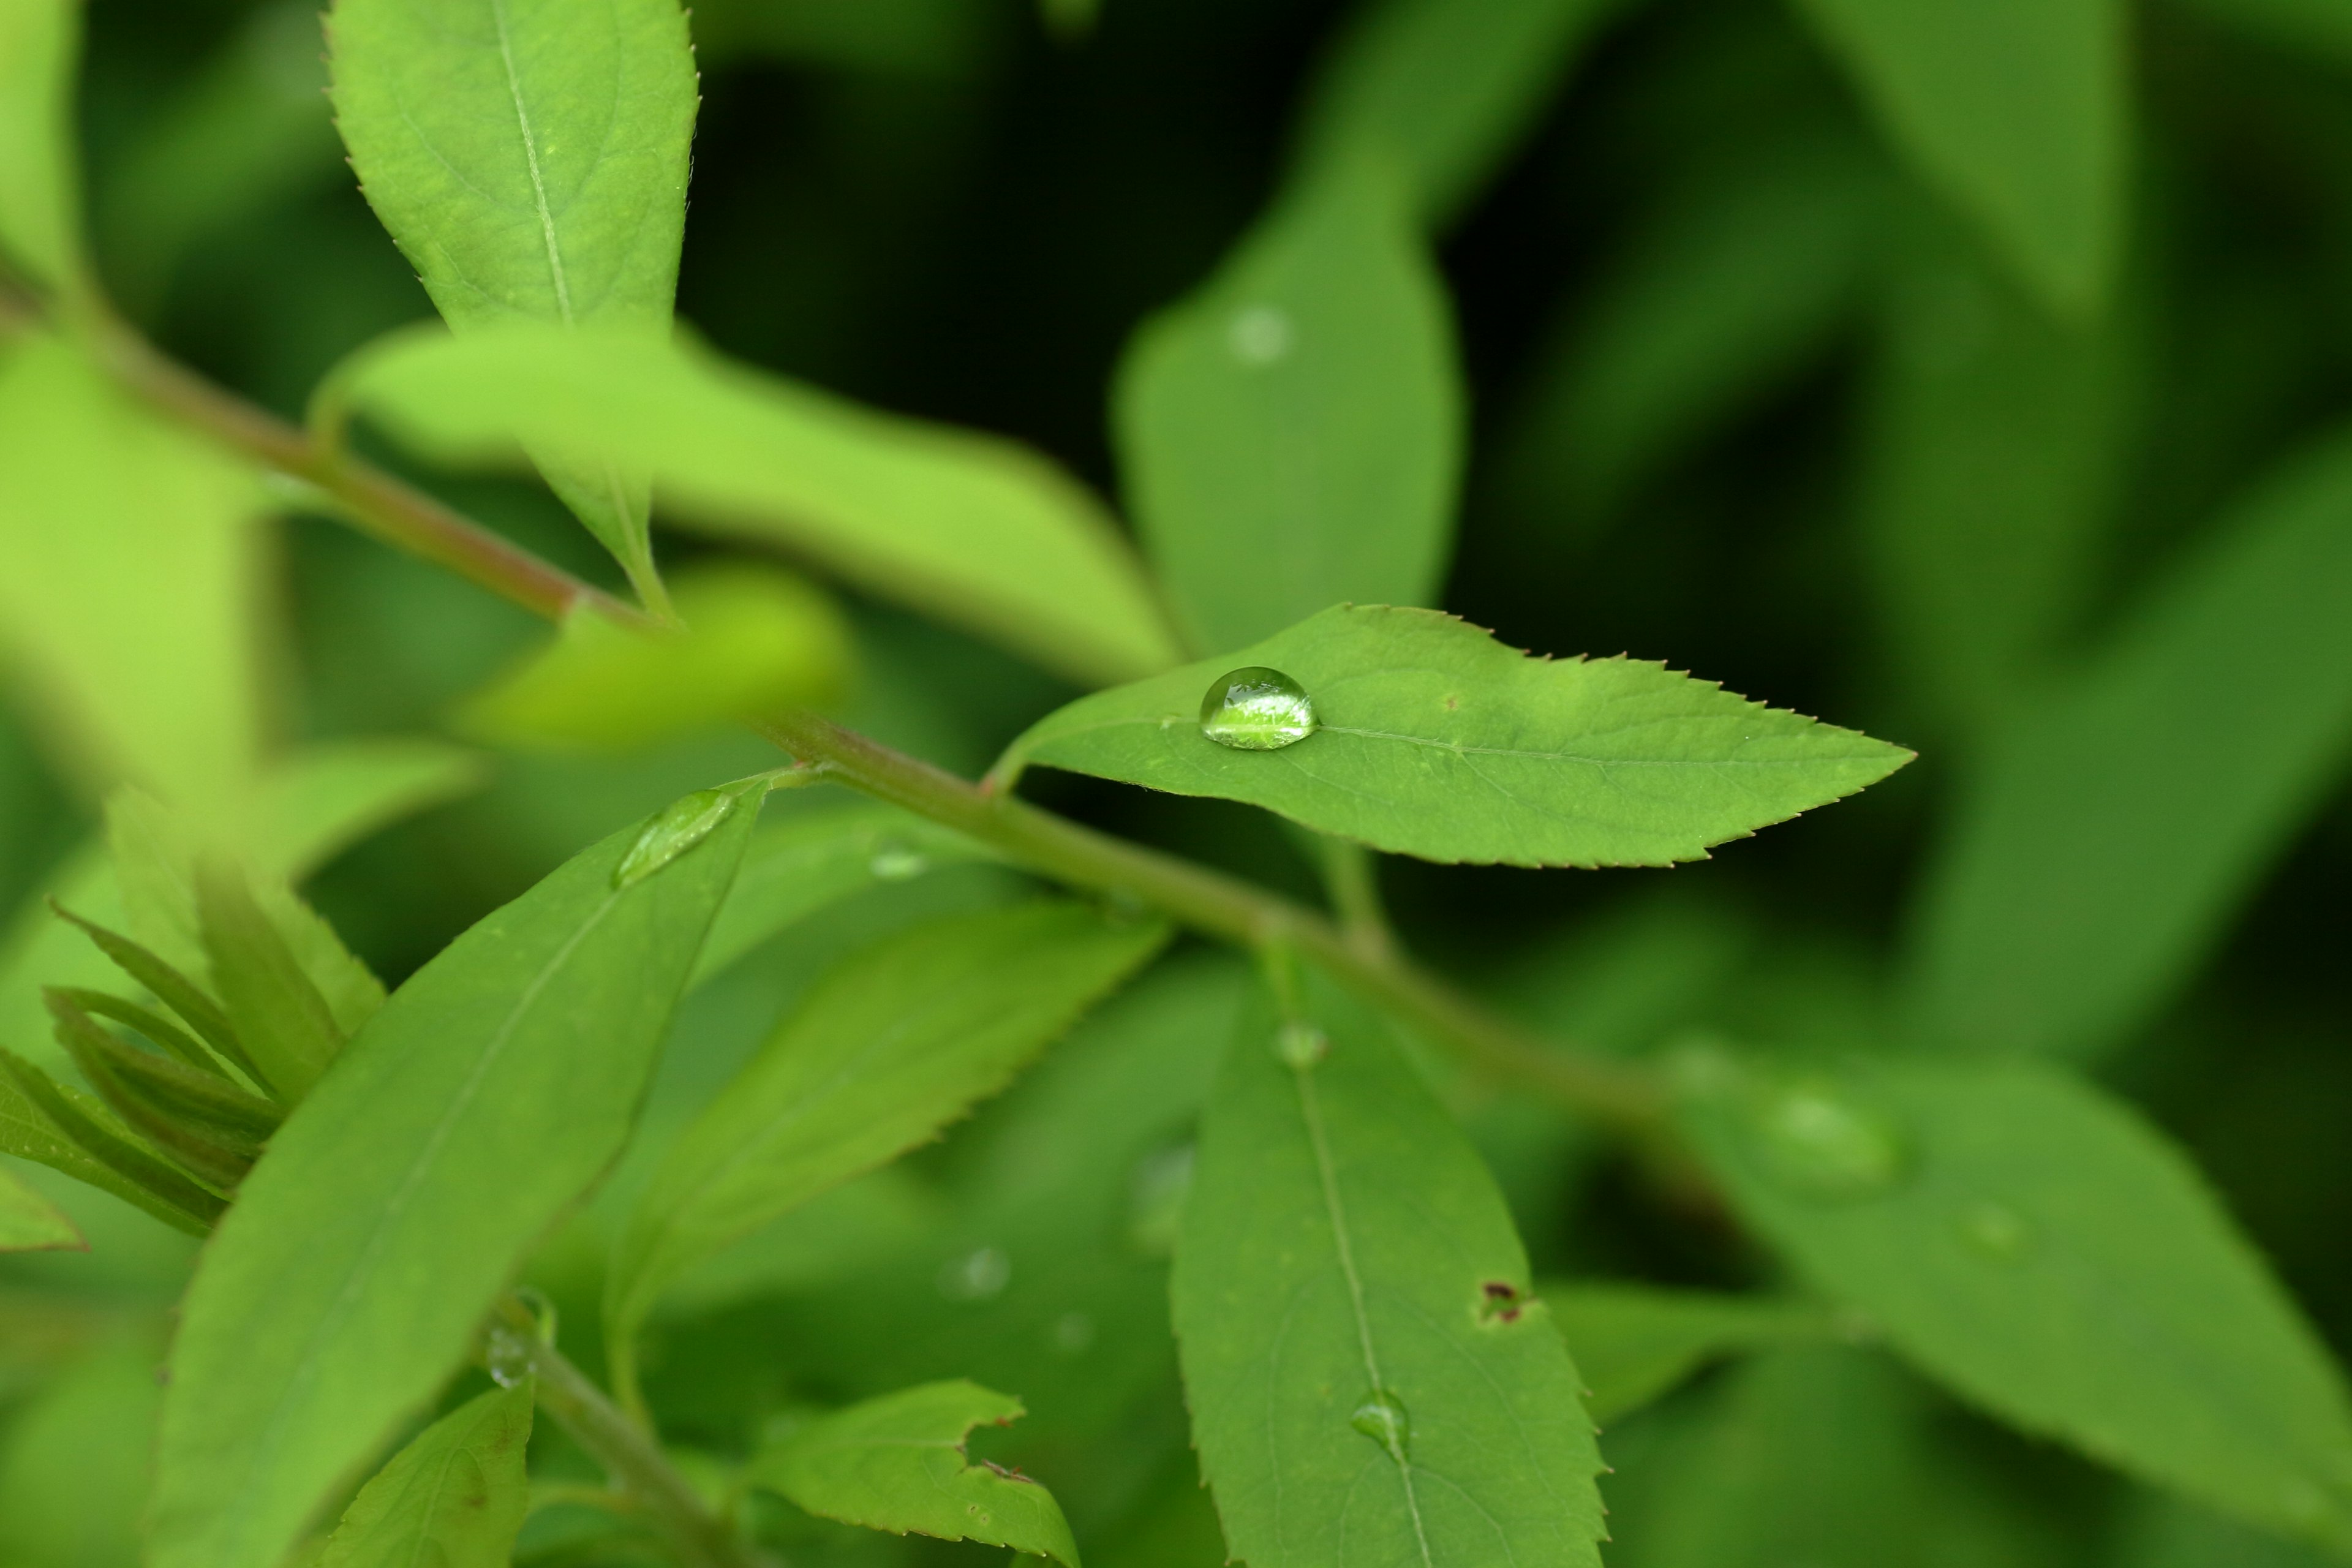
73 1472
2117 825
1996 440
529 157
2320 29
891 1045
126 611
2049 1256
453 1497
1434 739
463 1119
2160 1530
40 229
755 640
798 865
1292 433
935 39
46 1122
977 531
29 1222
1440 89
2016 110
1370 1378
1634 1342
898 1463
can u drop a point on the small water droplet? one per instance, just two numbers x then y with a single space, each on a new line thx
1817 1138
682 825
1074 1332
1155 1200
977 1275
1300 1045
896 862
1255 709
1261 334
506 1351
1382 1418
1996 1231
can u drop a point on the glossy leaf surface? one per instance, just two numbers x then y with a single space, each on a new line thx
453 1497
2099 856
1635 1343
898 1463
1437 740
2049 1256
464 1119
1370 1378
29 1222
1291 435
978 531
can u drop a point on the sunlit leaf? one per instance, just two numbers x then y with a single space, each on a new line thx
29 1222
1434 739
453 1497
40 45
453 1130
898 1463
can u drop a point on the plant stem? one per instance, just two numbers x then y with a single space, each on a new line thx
1207 901
632 1459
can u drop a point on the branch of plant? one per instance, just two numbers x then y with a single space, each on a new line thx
1207 901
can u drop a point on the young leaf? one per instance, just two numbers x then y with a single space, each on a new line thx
798 865
177 992
67 1130
41 225
212 1128
1433 739
891 1045
462 1120
29 1222
159 1030
2100 854
1635 1343
284 1023
978 531
2016 110
898 1463
454 1498
755 640
1440 89
529 158
1369 1376
1292 433
2042 1252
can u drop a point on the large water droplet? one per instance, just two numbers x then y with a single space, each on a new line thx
1257 709
1996 1231
682 825
1260 335
507 1352
1381 1418
1818 1140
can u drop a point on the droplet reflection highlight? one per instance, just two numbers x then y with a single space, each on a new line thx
1255 709
1818 1140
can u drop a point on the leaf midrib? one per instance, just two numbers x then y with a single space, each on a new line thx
531 157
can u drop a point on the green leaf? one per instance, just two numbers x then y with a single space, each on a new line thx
755 640
210 1127
126 611
796 866
2049 1256
451 1133
29 1222
1370 1378
176 991
1434 739
529 157
73 1469
2119 823
453 1497
1441 89
1635 1343
279 1013
2318 29
978 531
891 1046
898 1463
41 223
2016 111
60 1127
1292 433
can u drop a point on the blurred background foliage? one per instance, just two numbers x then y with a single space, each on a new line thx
1764 380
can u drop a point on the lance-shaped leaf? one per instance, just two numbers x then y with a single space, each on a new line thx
1369 1377
2046 1254
66 1129
2015 111
453 1132
1433 739
1634 1342
30 1223
1292 434
898 1463
2099 856
40 227
1441 89
455 1496
529 158
283 1022
212 1128
889 1047
978 531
